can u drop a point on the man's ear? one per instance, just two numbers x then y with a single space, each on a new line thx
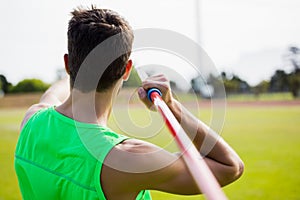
66 60
128 70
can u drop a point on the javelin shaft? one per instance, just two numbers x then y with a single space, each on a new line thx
201 173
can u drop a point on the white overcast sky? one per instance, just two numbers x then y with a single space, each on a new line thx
248 38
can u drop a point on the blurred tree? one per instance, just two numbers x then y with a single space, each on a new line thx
279 82
4 84
231 86
30 85
234 84
214 85
262 87
294 77
295 57
294 83
224 75
1 91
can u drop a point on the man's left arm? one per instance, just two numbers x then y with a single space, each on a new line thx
55 95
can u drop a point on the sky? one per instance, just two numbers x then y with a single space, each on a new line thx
249 38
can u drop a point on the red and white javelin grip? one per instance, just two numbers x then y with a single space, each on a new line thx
201 173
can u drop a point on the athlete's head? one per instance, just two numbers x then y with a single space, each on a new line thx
87 29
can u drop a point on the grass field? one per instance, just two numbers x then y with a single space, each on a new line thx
266 137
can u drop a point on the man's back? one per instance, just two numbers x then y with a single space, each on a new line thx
58 158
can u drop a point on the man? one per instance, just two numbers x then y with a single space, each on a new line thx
66 151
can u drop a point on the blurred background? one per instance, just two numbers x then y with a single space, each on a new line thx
255 48
255 43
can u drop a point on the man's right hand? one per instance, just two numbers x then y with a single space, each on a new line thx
160 82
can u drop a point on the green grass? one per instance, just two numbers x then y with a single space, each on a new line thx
9 129
279 96
267 139
276 96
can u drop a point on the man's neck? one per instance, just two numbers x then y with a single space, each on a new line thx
92 107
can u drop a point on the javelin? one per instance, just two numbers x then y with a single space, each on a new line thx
199 170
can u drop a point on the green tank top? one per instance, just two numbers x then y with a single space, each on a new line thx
59 158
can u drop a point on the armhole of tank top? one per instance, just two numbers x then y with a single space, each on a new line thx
98 169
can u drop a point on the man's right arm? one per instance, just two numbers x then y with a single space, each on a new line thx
220 157
136 165
224 162
146 166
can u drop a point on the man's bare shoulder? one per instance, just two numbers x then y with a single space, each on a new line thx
135 165
138 156
31 111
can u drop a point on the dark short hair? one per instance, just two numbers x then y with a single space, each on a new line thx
87 29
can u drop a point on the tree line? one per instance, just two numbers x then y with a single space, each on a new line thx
280 81
24 86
